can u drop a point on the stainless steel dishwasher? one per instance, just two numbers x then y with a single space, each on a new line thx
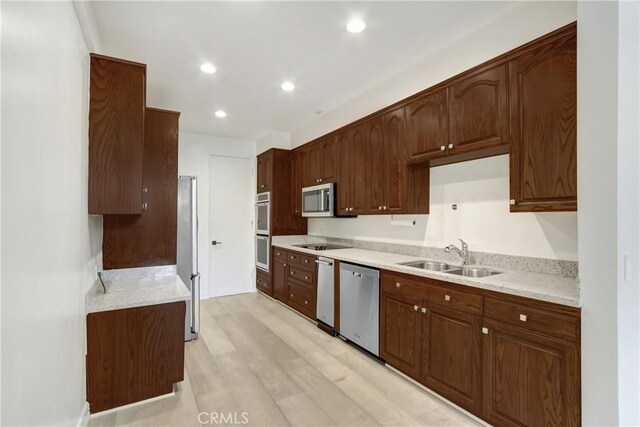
359 306
325 304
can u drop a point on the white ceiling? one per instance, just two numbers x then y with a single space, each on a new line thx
257 45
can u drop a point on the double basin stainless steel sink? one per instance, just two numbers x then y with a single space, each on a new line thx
443 267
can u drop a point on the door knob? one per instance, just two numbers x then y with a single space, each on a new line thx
215 243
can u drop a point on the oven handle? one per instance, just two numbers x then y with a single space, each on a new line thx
324 262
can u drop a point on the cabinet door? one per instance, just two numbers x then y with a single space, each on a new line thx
428 126
344 186
543 125
395 140
280 274
296 182
328 157
451 355
116 135
312 164
400 332
359 148
260 174
478 110
268 171
149 239
376 185
529 379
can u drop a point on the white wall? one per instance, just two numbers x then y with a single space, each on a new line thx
522 23
193 159
629 213
608 206
50 245
480 189
275 139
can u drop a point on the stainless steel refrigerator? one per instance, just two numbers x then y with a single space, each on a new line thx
187 254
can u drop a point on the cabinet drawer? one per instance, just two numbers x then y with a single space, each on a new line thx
403 286
308 261
553 324
302 298
279 253
459 300
293 257
263 282
299 273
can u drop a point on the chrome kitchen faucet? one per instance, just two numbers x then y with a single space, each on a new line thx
464 252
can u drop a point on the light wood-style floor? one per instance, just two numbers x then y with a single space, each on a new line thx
258 357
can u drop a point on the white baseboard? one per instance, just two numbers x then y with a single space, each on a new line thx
83 421
131 405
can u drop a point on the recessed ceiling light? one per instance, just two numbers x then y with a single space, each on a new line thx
208 68
288 86
220 114
356 25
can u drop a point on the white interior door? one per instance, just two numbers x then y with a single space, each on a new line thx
231 214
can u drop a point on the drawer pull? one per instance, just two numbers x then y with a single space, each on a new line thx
447 297
485 331
292 257
397 284
415 308
291 295
306 302
306 261
424 310
523 317
306 277
278 253
293 272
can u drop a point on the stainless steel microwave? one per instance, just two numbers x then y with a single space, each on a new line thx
319 200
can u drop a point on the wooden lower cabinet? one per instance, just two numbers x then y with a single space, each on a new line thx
521 370
263 282
451 355
529 379
134 354
294 280
401 332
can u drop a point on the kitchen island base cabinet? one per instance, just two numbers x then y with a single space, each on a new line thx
134 354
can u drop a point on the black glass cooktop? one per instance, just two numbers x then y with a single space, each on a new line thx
321 246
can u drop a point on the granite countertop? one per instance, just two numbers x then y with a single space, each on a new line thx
541 286
136 292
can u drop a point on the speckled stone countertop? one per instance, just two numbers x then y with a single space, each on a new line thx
545 287
136 292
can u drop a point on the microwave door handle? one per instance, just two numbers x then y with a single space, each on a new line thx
321 200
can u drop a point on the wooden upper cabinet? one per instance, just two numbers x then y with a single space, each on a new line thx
529 379
543 127
320 162
377 161
296 182
401 332
428 125
116 135
344 186
451 355
312 165
328 156
395 165
149 239
478 110
359 146
265 171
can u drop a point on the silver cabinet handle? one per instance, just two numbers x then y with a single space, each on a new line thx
145 190
379 208
324 262
424 310
306 277
144 206
512 201
450 145
306 302
397 284
523 317
442 148
291 295
447 298
292 257
415 308
384 208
